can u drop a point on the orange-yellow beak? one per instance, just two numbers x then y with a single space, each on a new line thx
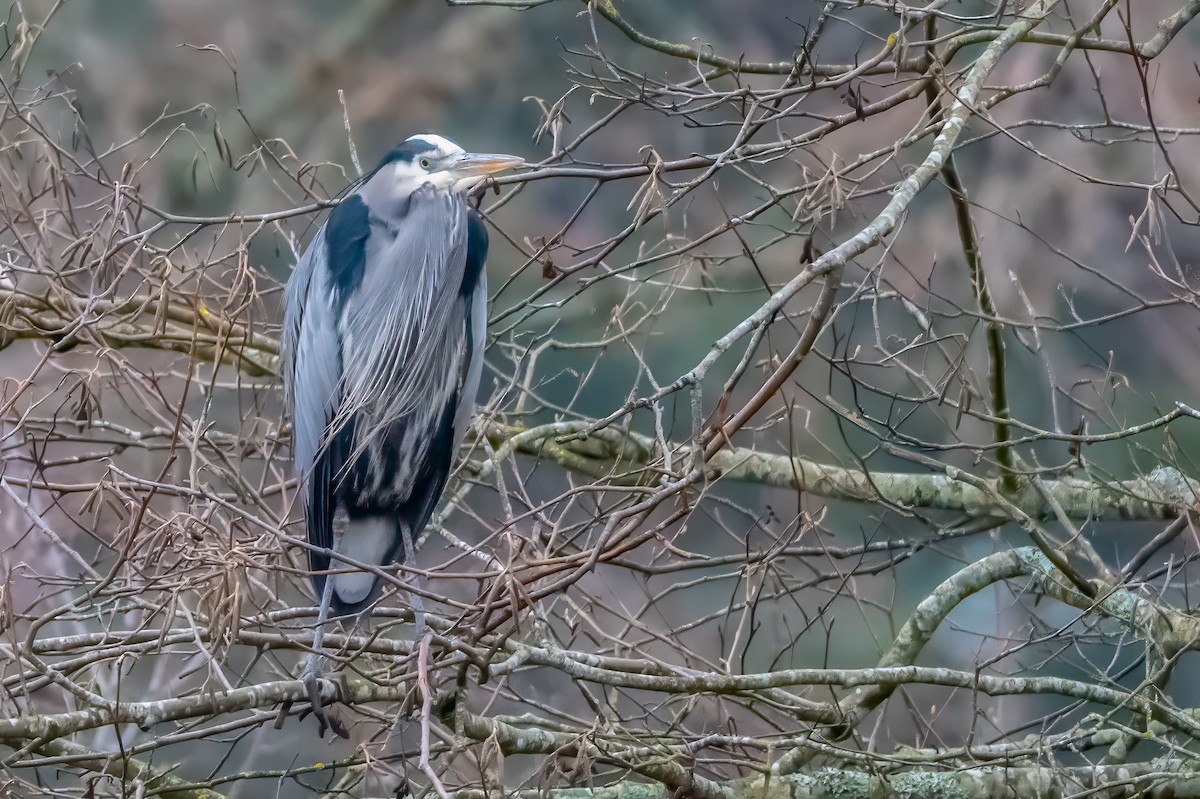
469 165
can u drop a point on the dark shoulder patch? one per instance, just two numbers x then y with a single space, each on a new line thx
477 247
346 246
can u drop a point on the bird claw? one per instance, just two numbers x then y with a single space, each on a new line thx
325 719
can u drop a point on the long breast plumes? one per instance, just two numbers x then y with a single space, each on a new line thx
403 346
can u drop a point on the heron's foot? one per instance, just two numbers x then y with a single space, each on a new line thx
312 683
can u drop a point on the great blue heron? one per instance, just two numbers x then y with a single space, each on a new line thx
383 347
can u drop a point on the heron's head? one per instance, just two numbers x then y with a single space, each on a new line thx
429 158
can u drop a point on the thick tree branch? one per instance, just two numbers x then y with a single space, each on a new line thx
625 458
1158 780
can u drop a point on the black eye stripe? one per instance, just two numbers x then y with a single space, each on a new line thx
412 152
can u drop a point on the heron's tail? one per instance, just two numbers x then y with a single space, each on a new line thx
370 540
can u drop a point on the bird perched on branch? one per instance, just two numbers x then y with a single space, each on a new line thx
383 348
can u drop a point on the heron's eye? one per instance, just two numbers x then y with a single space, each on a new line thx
425 163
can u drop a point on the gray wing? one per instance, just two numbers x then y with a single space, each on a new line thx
311 365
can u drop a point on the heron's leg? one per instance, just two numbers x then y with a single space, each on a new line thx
420 646
410 553
312 668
